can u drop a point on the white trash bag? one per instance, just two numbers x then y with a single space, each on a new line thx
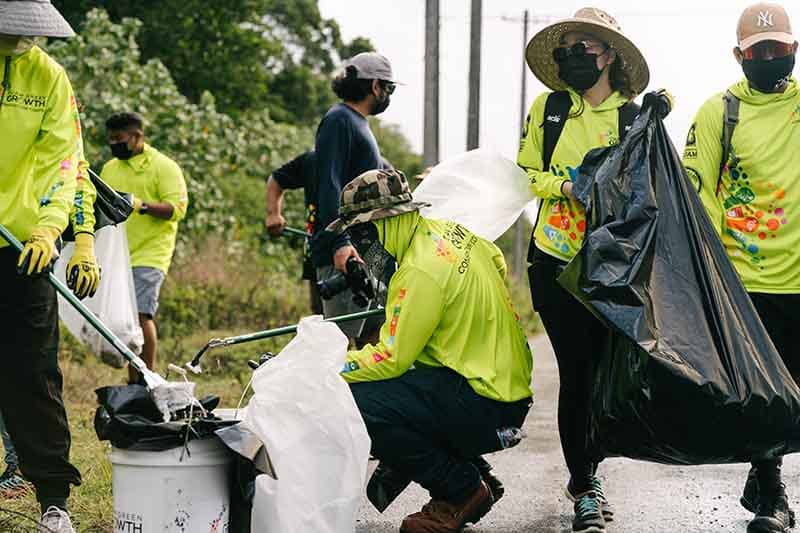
114 303
480 189
317 443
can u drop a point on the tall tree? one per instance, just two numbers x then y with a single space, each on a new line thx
251 54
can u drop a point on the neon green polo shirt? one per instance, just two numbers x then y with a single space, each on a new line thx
154 178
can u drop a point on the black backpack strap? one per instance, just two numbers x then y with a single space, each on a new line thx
730 118
627 114
556 113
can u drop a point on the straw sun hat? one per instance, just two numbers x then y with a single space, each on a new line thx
32 18
593 21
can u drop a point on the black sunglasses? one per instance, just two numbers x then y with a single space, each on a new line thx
388 86
578 49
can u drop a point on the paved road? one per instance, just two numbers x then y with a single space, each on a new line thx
648 498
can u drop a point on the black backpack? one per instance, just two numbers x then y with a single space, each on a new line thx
556 114
730 118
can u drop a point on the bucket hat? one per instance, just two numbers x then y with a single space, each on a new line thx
32 18
374 195
596 22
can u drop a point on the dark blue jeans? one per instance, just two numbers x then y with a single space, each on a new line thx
429 422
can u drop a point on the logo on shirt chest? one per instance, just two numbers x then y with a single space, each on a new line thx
31 102
609 138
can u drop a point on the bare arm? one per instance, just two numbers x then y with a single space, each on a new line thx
162 210
275 222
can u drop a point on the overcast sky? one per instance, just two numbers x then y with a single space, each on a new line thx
687 45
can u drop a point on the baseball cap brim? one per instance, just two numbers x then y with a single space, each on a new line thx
780 36
341 224
33 19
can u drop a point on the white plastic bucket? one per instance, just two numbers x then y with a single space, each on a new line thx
157 492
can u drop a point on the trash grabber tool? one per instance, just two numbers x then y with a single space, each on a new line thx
194 364
168 396
294 231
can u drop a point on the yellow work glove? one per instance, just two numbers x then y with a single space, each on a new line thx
39 251
83 272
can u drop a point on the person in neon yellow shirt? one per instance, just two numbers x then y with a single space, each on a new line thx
595 72
40 137
450 377
752 199
160 202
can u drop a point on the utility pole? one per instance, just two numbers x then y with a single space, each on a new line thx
431 127
519 227
474 109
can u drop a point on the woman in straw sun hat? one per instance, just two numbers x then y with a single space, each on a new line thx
594 71
41 139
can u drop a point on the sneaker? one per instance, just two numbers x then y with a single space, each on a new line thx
597 488
12 484
749 499
588 514
438 516
773 515
55 520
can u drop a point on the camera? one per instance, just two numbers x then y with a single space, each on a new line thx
358 279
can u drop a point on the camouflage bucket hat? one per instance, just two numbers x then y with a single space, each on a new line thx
374 195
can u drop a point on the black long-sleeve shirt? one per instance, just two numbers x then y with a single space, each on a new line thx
345 148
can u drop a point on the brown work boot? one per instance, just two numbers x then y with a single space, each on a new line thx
439 516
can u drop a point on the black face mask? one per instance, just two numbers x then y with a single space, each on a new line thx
121 150
380 105
579 71
381 264
765 75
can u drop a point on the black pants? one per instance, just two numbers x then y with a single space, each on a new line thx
577 338
778 313
31 382
427 423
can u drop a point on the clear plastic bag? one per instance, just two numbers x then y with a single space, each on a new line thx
480 189
304 413
114 303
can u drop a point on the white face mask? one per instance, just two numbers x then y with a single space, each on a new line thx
14 45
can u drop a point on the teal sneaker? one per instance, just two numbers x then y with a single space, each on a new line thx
588 514
597 488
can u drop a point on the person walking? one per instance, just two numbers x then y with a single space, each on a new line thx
741 156
160 201
594 71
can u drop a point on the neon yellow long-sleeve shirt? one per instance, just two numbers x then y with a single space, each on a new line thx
448 306
40 132
561 223
82 215
756 208
152 177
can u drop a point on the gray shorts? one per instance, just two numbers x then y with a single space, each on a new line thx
147 281
341 304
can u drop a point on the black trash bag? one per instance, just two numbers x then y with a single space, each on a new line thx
128 418
110 207
689 375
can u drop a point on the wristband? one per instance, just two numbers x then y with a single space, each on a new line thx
143 208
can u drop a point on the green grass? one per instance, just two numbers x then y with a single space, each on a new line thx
225 374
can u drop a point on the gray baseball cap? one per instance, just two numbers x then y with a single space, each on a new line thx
32 18
371 66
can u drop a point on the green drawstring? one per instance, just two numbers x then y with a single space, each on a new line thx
6 80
